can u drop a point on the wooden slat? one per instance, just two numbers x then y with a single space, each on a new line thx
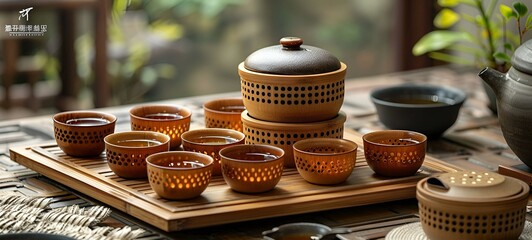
219 204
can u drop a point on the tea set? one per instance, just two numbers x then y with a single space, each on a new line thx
289 117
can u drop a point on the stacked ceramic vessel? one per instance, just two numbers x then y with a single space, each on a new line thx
291 92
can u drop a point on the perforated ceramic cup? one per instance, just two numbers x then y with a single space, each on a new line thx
179 175
224 113
81 133
210 141
284 135
126 152
325 161
252 168
171 120
394 153
472 205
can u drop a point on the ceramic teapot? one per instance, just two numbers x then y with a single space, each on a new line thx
513 91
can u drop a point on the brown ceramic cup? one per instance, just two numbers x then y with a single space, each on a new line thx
252 168
224 113
179 175
167 119
325 161
127 151
81 133
394 153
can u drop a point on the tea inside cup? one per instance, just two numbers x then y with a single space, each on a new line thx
81 133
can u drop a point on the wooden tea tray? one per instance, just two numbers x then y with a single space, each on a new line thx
519 171
219 204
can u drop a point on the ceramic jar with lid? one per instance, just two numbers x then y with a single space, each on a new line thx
472 205
291 92
292 82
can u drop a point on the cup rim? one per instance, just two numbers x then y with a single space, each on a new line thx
459 95
180 109
223 151
374 133
185 135
202 156
108 116
209 109
139 133
326 141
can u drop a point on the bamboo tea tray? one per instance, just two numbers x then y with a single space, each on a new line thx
219 204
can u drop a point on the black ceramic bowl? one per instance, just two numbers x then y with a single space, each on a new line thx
427 109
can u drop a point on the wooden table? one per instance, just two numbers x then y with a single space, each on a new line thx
474 142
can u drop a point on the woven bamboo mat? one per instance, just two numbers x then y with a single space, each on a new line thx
21 214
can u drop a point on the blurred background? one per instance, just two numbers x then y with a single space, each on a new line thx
164 49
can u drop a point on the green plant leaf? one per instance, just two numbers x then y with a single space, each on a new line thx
446 18
468 2
437 40
508 47
448 3
528 21
520 8
479 21
148 76
507 12
500 56
450 58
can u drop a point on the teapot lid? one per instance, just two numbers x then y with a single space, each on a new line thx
522 58
291 58
473 186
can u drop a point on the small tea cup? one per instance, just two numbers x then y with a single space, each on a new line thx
252 168
81 133
167 119
325 160
395 153
224 113
179 175
127 151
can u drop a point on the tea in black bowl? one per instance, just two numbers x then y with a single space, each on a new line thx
427 109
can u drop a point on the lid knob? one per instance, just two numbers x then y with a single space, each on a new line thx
291 43
522 58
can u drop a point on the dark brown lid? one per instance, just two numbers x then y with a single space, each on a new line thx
522 58
291 58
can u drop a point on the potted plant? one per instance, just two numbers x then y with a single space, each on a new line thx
490 45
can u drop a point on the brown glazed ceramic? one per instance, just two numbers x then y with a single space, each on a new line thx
127 151
513 91
80 139
284 135
224 113
325 160
472 205
292 83
210 141
167 119
394 153
252 168
179 175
